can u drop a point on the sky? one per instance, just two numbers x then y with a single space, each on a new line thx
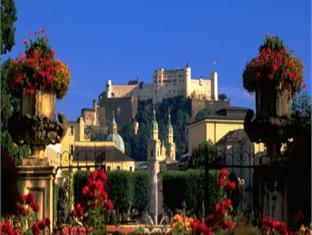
120 39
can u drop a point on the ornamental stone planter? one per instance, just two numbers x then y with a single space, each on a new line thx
40 104
272 103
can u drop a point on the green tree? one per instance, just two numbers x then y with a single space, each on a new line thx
205 149
302 106
222 97
9 104
202 114
8 18
142 190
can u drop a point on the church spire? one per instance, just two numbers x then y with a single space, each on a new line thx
170 129
114 124
155 127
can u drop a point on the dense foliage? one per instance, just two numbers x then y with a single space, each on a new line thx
200 153
180 110
274 67
142 190
8 18
185 190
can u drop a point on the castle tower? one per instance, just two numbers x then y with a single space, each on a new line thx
187 81
214 86
171 147
109 89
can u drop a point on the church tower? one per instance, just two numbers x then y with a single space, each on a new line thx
154 146
171 147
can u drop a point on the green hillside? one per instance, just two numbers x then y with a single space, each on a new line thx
180 110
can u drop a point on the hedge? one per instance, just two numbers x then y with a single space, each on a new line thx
185 190
142 190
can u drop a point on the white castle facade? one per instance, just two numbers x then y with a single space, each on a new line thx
166 84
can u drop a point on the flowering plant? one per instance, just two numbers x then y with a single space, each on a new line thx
97 206
24 222
38 69
274 67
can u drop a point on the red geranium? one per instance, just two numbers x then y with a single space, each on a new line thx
38 69
274 67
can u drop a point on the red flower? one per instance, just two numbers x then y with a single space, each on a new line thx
228 224
74 230
30 199
24 197
78 210
65 230
35 207
36 228
110 205
226 203
223 173
220 182
230 185
85 191
82 231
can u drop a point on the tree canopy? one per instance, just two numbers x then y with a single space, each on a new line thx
8 18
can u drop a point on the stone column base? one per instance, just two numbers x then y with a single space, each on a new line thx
37 176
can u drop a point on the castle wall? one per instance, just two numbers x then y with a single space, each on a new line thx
200 88
122 90
125 109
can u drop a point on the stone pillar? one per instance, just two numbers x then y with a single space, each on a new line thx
37 177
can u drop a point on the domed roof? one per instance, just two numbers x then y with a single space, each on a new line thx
117 139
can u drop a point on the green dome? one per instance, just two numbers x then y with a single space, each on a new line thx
117 139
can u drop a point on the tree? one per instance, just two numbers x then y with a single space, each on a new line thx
9 104
302 106
205 149
202 114
223 97
8 18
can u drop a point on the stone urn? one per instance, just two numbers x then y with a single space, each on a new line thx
40 104
273 102
36 125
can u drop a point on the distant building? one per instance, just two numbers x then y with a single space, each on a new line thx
84 152
214 128
167 83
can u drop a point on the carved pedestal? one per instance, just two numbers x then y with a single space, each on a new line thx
37 176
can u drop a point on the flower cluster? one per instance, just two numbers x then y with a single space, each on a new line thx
181 223
38 68
24 222
76 230
271 226
94 194
27 201
39 226
7 228
220 219
223 180
274 67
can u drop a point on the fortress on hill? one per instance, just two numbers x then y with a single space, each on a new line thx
167 83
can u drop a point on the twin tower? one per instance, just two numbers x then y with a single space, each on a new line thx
161 151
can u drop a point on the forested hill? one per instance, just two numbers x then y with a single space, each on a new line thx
180 110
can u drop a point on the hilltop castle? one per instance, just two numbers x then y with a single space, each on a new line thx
123 99
166 83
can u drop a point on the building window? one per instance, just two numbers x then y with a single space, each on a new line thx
108 168
118 168
71 130
71 149
130 168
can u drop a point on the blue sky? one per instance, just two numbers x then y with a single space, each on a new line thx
117 39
